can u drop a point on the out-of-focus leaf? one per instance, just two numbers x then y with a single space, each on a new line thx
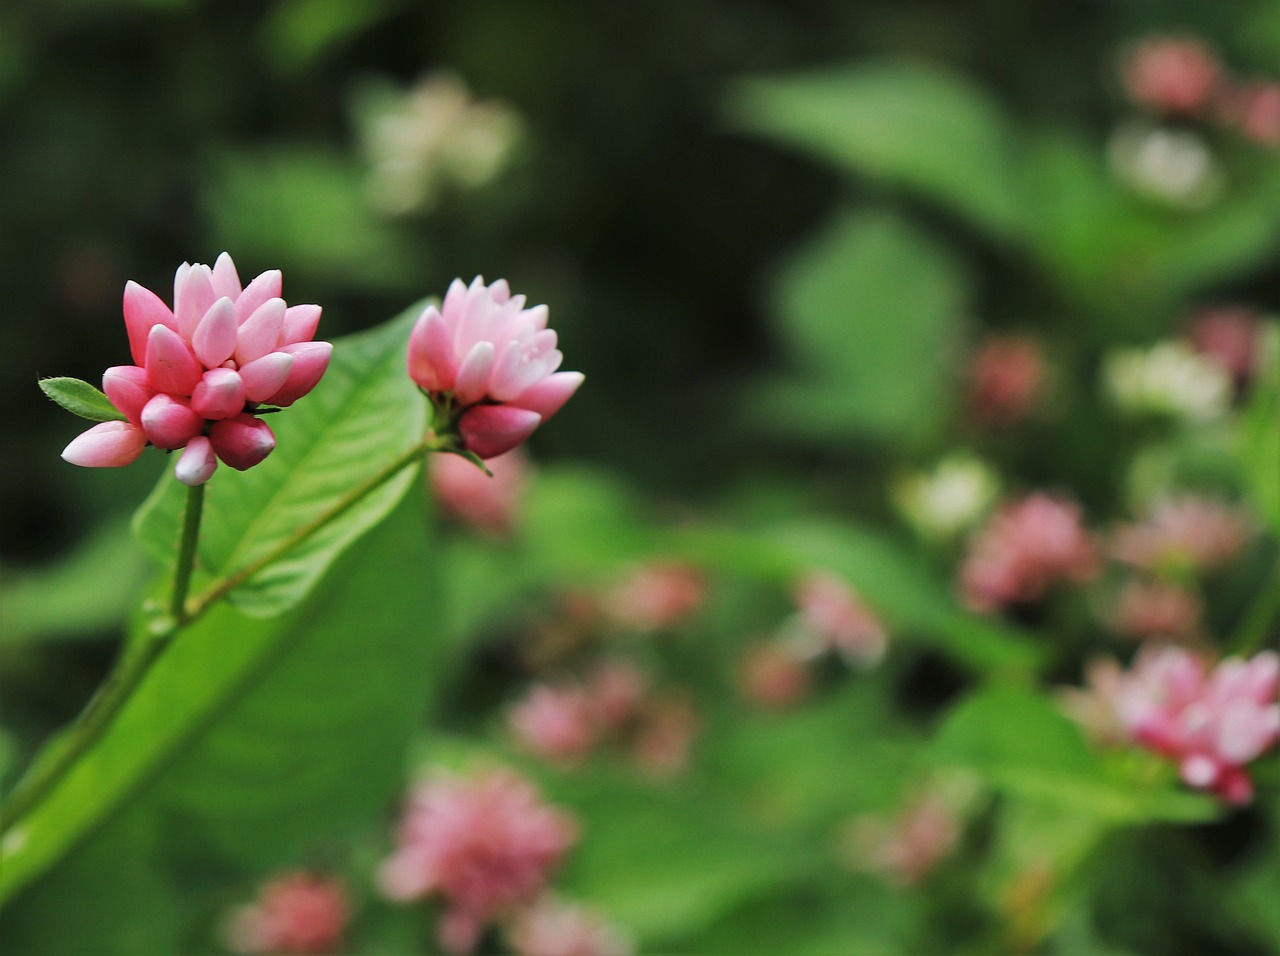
297 32
1019 743
91 590
1260 431
910 124
80 398
306 210
277 732
364 414
869 311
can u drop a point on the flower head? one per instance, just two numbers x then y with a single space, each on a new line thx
204 370
1211 720
656 596
1007 379
834 617
1175 75
484 843
296 912
1186 533
487 503
488 365
553 927
556 722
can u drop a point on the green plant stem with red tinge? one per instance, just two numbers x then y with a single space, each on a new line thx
138 659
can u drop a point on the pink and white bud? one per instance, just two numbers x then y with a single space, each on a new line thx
555 722
143 310
219 395
295 913
243 441
169 422
261 332
214 339
106 445
197 462
265 376
310 362
171 368
1181 534
492 430
482 349
655 596
129 389
834 617
551 927
1174 75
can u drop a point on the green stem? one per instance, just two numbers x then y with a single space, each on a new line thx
1262 614
187 553
137 662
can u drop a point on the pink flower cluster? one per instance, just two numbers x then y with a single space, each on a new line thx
488 365
908 846
1212 721
203 369
1156 609
1028 546
1180 534
1007 378
655 596
1182 76
484 844
566 721
296 912
1230 336
834 617
552 927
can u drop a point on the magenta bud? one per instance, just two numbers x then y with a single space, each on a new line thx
128 388
490 430
107 445
169 422
143 309
243 441
197 462
219 395
310 362
170 365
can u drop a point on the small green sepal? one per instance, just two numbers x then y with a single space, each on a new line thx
81 398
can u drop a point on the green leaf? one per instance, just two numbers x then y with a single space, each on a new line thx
909 124
81 398
254 739
1260 431
869 311
363 415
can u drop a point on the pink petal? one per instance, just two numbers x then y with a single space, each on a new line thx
129 389
170 365
215 337
226 281
432 363
143 309
265 376
300 324
473 374
243 441
197 463
490 430
548 396
219 395
106 445
266 286
192 299
260 333
170 422
310 362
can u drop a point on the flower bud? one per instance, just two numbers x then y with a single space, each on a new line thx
107 445
197 463
169 422
490 430
243 441
219 395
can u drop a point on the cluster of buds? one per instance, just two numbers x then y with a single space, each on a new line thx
832 616
485 844
1007 380
566 721
489 504
552 927
295 912
206 369
1181 535
488 365
655 596
1028 546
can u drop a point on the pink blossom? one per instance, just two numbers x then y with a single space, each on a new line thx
1229 335
467 494
484 843
834 617
551 927
1212 721
204 368
1169 74
1156 609
772 677
296 912
656 596
555 722
1255 108
908 846
1187 533
488 365
1006 380
1028 546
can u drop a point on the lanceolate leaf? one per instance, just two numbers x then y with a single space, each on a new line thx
253 738
364 414
81 398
